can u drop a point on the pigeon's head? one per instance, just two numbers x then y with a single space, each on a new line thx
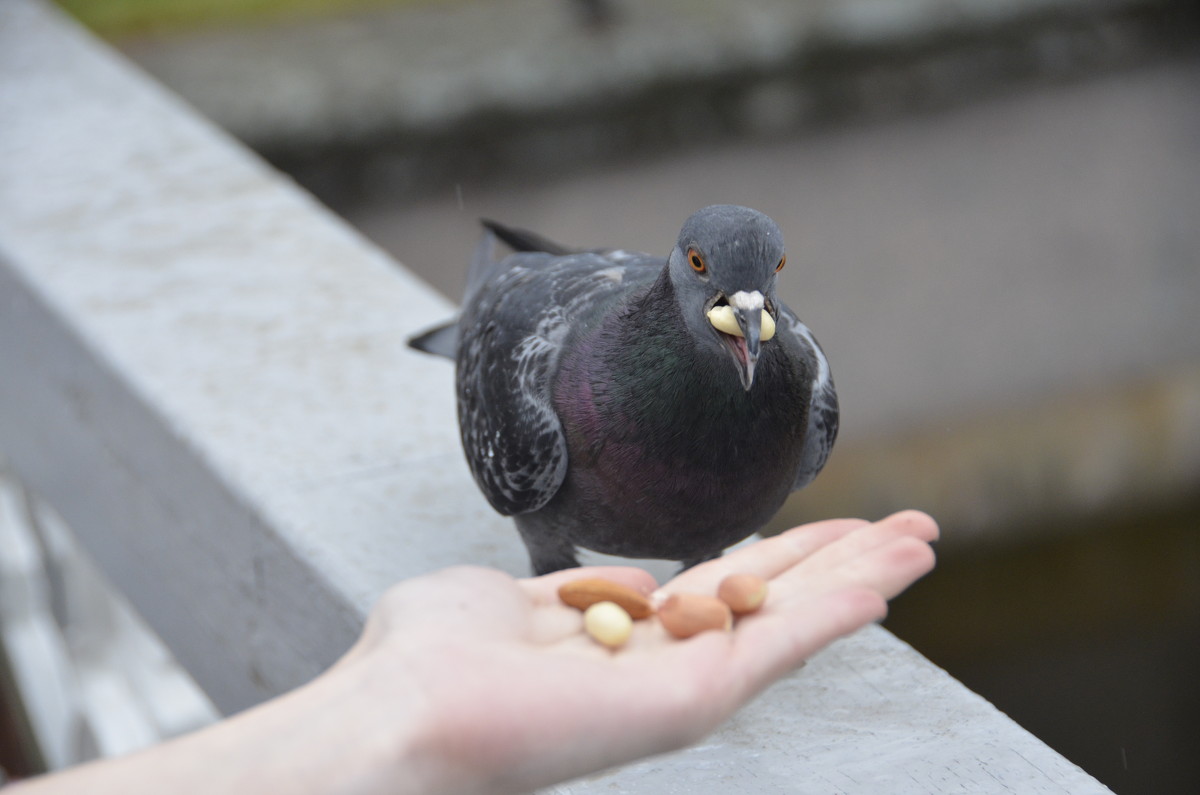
723 270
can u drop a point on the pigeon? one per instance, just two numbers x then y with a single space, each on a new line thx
634 405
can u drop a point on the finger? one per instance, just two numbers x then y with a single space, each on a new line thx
903 524
887 567
891 568
767 558
914 523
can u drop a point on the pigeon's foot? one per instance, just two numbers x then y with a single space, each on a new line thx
548 563
547 554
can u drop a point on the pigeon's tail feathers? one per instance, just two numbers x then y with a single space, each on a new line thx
523 240
440 340
481 265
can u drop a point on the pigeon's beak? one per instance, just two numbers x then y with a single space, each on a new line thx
745 324
750 323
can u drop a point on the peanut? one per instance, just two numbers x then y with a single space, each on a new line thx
582 594
744 593
687 614
723 319
608 623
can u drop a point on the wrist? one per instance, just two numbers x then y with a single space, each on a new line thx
356 729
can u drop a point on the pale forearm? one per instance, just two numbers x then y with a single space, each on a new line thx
325 737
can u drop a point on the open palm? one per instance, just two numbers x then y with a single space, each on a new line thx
513 694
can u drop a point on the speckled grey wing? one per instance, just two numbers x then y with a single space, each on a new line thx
823 405
511 335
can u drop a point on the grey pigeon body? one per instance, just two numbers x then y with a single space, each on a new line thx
636 405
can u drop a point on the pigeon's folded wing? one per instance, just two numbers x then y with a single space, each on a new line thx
823 405
512 334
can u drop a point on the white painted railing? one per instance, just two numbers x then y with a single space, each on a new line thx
204 373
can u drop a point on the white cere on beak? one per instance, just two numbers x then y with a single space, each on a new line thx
723 320
744 300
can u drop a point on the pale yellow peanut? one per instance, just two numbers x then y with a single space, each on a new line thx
608 623
768 327
723 319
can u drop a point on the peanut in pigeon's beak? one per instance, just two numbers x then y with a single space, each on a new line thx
723 319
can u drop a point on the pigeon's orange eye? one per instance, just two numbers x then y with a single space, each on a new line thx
696 261
782 262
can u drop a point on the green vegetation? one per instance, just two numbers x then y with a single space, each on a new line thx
114 18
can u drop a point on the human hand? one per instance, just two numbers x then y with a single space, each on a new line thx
501 691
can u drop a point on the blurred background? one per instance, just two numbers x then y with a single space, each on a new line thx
993 220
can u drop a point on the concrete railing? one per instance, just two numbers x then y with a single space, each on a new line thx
92 679
204 373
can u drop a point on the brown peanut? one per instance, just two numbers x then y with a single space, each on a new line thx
687 614
744 593
584 593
